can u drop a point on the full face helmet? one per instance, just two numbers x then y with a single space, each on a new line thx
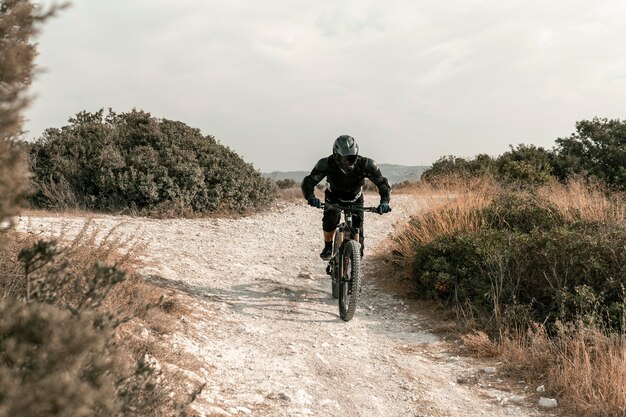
345 152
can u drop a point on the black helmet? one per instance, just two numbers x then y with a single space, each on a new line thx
345 151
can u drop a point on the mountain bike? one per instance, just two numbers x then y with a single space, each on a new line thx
344 266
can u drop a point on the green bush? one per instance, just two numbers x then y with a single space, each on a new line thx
132 161
286 183
525 165
528 263
452 165
521 213
597 149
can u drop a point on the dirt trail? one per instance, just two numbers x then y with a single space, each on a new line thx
266 328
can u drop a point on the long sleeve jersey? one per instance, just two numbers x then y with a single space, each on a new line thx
346 186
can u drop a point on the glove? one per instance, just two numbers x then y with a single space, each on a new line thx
383 208
315 202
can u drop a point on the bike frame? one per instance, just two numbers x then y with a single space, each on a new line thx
348 232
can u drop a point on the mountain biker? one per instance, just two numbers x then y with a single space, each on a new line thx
345 171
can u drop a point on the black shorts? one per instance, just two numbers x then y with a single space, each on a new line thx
331 217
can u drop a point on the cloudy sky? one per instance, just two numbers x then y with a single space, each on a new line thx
277 81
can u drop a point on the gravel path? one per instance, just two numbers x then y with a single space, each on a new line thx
267 329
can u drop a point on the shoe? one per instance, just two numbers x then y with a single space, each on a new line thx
326 253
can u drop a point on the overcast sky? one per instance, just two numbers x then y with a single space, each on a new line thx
277 81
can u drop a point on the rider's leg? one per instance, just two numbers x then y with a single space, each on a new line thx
330 220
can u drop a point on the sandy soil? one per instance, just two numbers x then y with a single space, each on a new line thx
267 331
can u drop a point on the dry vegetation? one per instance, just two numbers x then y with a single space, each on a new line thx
71 282
451 203
584 366
582 362
590 201
289 194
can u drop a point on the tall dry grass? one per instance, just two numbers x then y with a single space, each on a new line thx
92 243
581 199
591 372
452 205
288 194
584 366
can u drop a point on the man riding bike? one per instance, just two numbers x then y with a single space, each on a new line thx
345 171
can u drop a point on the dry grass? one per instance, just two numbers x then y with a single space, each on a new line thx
479 344
289 194
582 365
11 271
591 372
60 195
452 204
589 201
91 244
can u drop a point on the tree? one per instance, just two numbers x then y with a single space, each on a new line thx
19 21
597 149
525 164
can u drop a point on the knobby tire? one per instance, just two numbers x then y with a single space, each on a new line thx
335 282
350 281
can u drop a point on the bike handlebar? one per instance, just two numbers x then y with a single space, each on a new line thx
350 207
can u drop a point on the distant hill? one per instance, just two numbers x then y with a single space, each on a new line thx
394 173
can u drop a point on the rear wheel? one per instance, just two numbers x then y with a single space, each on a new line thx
350 279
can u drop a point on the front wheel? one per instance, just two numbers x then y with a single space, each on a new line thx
349 280
335 277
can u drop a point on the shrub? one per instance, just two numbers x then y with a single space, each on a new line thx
53 364
452 165
521 213
132 161
544 272
286 183
525 165
597 149
527 262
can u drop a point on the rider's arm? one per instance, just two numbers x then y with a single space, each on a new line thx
317 174
373 173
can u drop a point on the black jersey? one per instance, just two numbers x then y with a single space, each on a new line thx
346 185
